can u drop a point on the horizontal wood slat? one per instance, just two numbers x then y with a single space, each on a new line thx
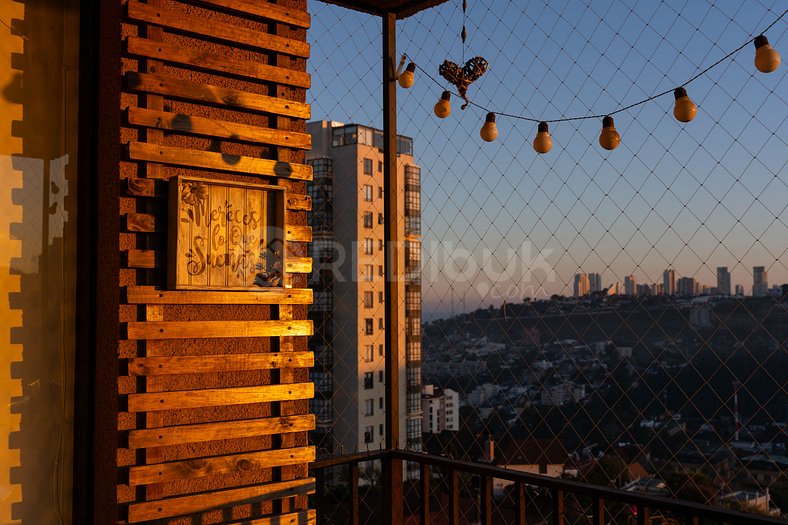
200 433
157 188
216 329
144 258
181 505
234 34
217 128
214 160
182 399
151 295
304 517
298 233
147 223
141 222
153 366
298 264
264 10
211 466
155 258
217 95
195 58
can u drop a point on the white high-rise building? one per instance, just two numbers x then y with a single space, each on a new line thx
630 285
440 408
669 282
348 279
581 286
594 282
723 280
760 281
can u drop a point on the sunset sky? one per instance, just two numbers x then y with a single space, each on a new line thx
694 196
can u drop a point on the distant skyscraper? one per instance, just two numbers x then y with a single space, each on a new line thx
723 280
685 286
669 282
739 289
581 285
594 282
630 285
760 281
643 289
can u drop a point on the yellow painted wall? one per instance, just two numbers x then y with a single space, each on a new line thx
38 108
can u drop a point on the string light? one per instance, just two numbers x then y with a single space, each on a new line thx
543 143
685 109
609 138
443 107
489 131
767 59
406 77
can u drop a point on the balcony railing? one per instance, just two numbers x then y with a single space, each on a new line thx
643 506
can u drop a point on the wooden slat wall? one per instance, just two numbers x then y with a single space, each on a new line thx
214 384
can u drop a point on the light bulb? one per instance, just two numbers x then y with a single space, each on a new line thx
489 131
685 109
609 138
543 143
767 59
443 107
406 77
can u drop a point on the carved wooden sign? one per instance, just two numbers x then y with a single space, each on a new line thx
225 235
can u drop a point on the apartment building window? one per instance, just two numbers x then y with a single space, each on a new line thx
380 192
369 351
380 324
380 245
367 219
380 166
380 297
369 326
368 195
369 407
380 350
380 376
380 405
380 218
412 300
368 273
380 270
367 166
369 246
369 380
369 434
369 300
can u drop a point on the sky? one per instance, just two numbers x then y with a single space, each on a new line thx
501 222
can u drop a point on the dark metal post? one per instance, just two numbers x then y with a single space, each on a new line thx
426 476
353 482
454 497
392 467
485 500
558 507
598 511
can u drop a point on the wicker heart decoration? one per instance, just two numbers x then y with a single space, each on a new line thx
464 76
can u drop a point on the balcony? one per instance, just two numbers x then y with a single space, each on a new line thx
460 492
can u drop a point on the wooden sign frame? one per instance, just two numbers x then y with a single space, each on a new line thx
225 235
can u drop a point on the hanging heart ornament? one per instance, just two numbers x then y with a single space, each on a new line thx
464 76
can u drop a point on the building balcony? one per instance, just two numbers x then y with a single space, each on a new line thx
450 491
